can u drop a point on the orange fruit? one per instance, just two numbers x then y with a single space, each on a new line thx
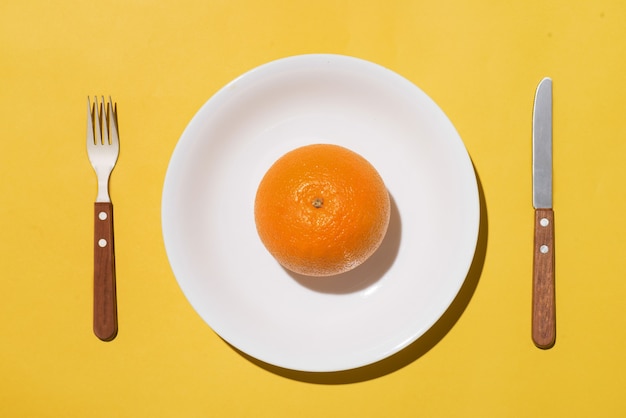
321 210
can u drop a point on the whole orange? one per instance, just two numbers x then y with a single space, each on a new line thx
321 210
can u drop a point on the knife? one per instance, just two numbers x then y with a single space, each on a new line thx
543 298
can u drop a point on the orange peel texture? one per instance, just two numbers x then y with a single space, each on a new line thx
321 210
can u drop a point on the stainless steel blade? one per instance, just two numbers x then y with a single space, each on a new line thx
542 145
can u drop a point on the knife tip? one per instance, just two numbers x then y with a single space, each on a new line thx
545 80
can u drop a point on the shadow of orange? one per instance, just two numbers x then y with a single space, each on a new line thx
419 347
368 273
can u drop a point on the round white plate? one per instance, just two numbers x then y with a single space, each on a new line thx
320 324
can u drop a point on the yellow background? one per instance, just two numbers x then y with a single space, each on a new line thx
161 60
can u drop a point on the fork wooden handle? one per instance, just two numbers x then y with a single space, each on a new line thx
104 297
544 310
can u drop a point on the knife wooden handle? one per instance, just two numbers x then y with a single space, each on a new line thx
544 309
104 296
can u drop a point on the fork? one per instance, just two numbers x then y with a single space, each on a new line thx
103 149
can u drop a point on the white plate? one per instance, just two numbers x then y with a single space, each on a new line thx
320 324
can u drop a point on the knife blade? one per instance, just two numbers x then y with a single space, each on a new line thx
543 297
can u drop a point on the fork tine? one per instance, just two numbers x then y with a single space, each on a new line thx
105 122
101 122
96 122
113 132
90 138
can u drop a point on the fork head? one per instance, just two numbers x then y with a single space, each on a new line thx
103 144
102 123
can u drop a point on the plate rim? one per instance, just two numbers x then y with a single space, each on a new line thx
268 66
